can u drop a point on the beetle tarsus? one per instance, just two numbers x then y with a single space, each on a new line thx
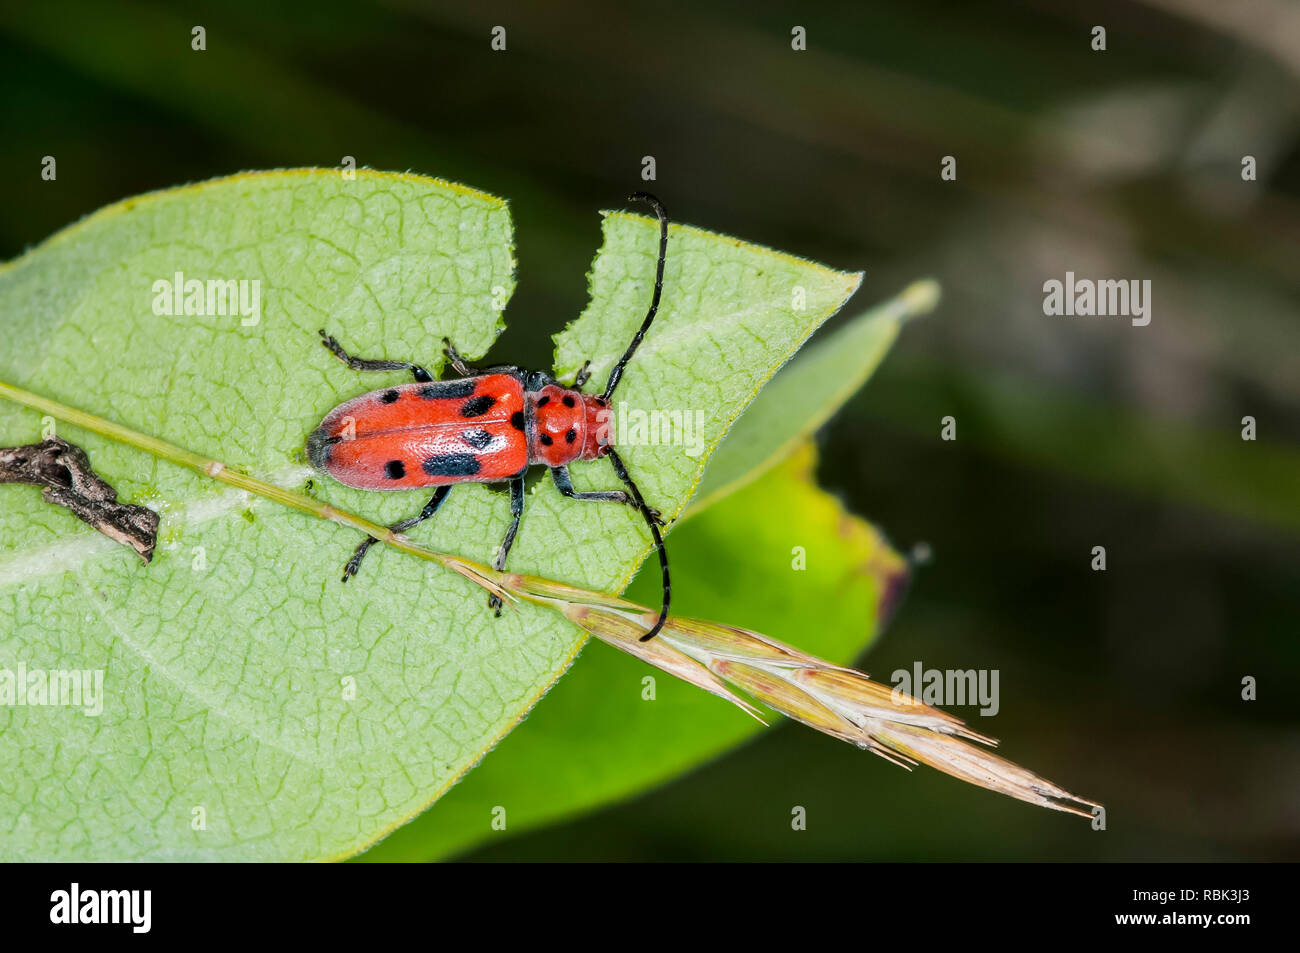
331 344
457 362
354 564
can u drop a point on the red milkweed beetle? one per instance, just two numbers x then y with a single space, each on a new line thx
490 426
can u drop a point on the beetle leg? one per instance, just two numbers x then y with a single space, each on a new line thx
457 362
430 508
361 364
564 484
653 522
584 373
516 511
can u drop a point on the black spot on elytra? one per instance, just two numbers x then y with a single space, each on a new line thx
394 469
543 402
446 390
477 406
388 396
451 464
571 436
476 438
546 440
569 401
517 420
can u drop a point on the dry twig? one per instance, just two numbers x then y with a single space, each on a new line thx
63 472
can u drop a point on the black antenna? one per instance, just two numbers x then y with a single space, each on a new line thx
621 470
616 374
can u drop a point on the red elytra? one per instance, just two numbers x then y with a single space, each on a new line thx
489 426
483 429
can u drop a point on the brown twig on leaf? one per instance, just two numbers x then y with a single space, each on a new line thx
63 472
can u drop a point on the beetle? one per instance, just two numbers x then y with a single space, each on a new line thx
489 426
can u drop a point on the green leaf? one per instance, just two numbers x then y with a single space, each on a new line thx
693 363
595 739
807 392
230 729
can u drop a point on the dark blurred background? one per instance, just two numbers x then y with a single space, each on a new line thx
1072 432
